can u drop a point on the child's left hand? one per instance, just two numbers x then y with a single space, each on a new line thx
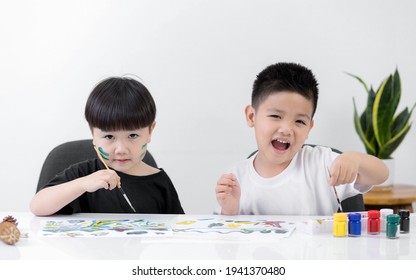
344 169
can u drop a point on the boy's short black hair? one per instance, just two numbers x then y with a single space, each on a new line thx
289 77
120 103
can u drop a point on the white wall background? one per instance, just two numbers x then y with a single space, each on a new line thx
199 60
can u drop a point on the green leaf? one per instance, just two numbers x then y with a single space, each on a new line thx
391 146
397 92
370 149
383 111
400 121
378 127
360 80
369 128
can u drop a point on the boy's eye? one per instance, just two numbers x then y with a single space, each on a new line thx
301 122
108 137
133 136
275 116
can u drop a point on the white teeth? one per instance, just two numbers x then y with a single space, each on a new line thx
281 141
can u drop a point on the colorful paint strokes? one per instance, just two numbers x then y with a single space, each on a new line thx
233 226
98 228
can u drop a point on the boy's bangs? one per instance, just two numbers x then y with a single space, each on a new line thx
117 118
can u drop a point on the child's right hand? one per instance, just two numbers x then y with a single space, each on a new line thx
101 179
228 194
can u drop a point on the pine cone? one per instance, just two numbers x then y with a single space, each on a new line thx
10 219
9 233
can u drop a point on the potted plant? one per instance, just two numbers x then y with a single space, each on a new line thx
379 127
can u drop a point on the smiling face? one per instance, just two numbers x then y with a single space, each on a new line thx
123 150
282 123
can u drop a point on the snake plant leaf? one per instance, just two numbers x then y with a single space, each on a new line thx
378 127
392 145
368 128
384 107
360 80
368 146
397 89
401 120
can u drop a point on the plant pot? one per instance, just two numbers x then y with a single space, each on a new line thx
388 184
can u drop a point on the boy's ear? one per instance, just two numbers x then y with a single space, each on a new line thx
151 127
310 127
92 134
250 114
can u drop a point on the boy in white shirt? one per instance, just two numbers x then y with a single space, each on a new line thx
283 177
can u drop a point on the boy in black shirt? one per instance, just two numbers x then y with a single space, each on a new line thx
121 114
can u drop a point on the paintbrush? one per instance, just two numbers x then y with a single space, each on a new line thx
336 194
119 185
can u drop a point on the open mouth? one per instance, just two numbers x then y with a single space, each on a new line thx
280 145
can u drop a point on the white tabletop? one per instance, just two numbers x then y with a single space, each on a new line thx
299 245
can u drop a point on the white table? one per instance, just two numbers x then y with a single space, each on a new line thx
182 247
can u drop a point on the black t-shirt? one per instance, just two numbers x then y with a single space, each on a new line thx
153 194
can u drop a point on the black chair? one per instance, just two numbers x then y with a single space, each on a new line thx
66 154
351 204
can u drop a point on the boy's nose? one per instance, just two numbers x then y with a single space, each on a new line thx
285 129
120 148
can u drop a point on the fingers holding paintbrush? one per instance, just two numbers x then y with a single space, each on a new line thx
344 170
331 179
98 151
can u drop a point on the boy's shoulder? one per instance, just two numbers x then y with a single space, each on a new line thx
316 154
318 149
86 166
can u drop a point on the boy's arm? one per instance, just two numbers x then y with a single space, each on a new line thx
50 200
228 194
368 169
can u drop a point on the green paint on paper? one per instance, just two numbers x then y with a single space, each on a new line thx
103 154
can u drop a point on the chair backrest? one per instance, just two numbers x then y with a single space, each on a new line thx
351 204
66 154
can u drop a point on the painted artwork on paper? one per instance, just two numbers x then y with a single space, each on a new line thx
235 226
110 228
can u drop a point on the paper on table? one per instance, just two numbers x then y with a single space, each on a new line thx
110 228
234 226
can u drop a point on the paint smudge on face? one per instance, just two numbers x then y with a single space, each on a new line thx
103 154
144 153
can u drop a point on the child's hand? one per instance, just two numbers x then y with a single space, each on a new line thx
102 179
228 194
344 169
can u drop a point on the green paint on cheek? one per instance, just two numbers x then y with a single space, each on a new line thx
103 154
142 154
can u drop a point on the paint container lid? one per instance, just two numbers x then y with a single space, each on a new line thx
385 211
340 217
393 218
373 214
354 217
403 213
